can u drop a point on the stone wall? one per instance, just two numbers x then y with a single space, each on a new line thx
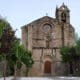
45 44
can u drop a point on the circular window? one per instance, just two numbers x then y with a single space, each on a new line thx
46 28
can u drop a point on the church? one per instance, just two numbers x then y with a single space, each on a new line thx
44 37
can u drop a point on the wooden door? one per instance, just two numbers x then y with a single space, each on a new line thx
47 67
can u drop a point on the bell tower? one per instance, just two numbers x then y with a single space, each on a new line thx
63 14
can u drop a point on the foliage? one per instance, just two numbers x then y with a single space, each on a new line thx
1 58
76 37
77 47
71 56
3 24
16 54
6 36
19 56
65 54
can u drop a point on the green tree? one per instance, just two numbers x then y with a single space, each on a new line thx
19 56
3 24
10 47
65 54
6 38
71 56
66 59
78 46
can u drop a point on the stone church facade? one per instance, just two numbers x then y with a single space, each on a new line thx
44 37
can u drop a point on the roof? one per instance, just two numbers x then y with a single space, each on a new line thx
42 18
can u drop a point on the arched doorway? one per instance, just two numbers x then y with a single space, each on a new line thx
47 67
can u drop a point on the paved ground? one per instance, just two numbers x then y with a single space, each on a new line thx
46 78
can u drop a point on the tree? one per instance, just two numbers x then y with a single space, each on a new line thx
11 52
19 56
3 24
6 38
65 54
78 46
71 56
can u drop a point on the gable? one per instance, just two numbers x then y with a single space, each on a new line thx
41 20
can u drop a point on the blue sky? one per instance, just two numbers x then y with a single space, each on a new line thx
21 12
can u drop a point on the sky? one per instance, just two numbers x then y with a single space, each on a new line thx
21 12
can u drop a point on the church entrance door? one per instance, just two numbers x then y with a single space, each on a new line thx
47 67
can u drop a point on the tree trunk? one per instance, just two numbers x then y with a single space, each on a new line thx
71 67
27 70
5 64
15 72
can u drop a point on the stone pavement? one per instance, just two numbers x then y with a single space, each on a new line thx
43 78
